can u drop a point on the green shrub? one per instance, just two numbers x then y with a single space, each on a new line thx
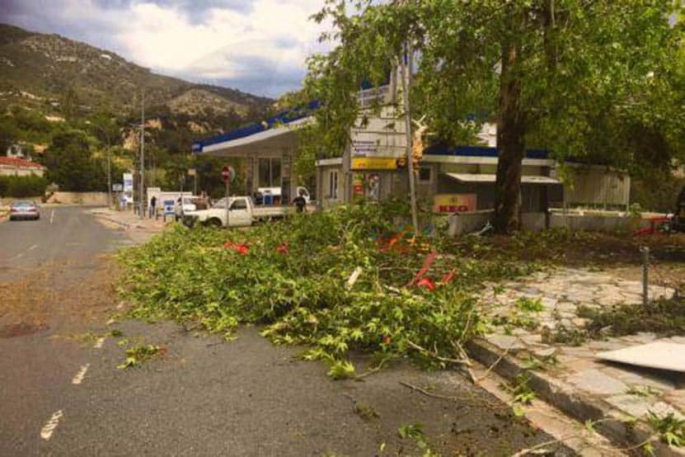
22 186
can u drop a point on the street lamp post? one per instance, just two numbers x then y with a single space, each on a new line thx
142 158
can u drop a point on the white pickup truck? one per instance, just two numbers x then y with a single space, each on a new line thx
242 212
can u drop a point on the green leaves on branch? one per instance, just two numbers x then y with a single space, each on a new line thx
292 279
139 354
597 78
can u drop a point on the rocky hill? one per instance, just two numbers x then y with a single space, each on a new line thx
57 74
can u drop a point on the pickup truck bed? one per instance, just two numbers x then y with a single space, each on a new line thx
267 212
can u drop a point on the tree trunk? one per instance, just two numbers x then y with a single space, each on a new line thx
510 143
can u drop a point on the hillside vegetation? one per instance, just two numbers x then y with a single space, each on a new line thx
69 104
41 70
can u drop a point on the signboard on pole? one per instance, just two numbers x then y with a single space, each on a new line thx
169 207
127 196
117 187
228 173
364 148
128 182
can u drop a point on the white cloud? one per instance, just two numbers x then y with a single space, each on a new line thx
273 36
260 48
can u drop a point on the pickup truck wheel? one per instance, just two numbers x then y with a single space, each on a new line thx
214 222
189 222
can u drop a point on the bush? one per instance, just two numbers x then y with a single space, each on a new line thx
664 317
294 276
659 192
22 186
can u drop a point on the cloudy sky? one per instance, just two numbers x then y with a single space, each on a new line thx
258 46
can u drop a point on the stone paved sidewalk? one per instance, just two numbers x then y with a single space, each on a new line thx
140 230
536 322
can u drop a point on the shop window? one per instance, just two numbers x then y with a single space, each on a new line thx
269 172
424 175
333 185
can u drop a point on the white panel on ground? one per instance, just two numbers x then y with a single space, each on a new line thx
663 355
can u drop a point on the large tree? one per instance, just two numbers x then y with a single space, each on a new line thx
565 72
71 164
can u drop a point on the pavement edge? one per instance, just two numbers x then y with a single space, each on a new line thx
614 425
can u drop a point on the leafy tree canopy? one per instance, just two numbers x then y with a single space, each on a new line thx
579 77
71 165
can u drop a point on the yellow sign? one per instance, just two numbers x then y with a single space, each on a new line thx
454 203
374 163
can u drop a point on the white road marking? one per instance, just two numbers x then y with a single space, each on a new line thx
33 247
52 216
99 343
46 432
78 378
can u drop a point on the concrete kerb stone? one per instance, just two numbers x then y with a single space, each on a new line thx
114 221
128 225
611 423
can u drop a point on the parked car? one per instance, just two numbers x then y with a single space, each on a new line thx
24 210
242 213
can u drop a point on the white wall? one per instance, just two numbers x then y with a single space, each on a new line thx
79 198
7 170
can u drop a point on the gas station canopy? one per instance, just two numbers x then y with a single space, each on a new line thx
276 134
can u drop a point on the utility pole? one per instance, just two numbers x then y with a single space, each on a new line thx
142 157
109 173
406 66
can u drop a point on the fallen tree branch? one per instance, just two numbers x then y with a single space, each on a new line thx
543 445
470 401
467 365
491 367
371 371
538 447
436 356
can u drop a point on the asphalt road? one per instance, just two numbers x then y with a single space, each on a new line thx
61 234
62 394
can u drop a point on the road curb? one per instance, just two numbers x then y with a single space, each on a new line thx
126 225
614 425
109 219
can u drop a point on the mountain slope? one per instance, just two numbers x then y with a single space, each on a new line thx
49 71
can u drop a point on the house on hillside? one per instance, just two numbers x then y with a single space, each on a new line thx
14 166
19 151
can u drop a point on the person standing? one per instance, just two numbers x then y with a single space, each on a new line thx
300 202
153 206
